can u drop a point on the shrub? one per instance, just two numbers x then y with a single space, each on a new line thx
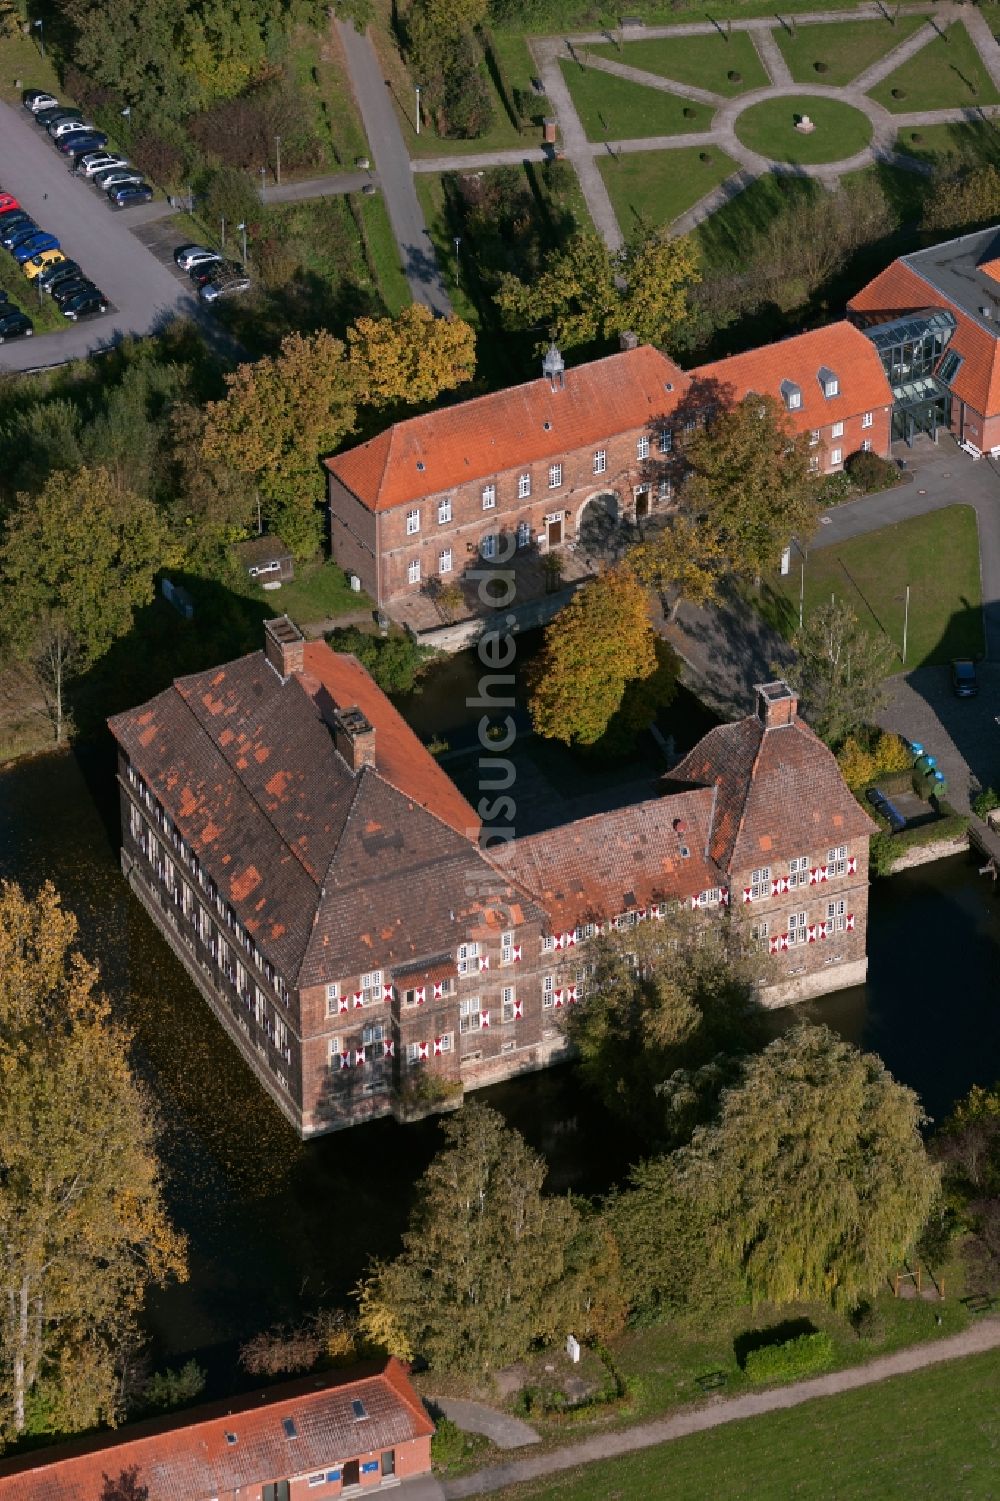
870 472
916 138
240 132
899 93
984 802
705 156
449 1445
821 67
834 489
863 763
791 1359
174 1388
868 1323
688 112
734 76
395 662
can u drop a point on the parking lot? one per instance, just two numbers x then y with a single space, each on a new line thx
143 292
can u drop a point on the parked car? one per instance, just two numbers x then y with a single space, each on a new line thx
47 117
964 683
37 263
229 286
16 234
56 272
115 177
214 271
84 304
36 99
32 246
888 810
10 216
129 194
189 256
93 162
78 145
69 288
7 203
74 125
15 325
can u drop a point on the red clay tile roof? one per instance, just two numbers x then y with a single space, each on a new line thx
780 793
595 868
517 426
839 347
900 289
188 1458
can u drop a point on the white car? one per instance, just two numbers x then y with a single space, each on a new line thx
65 128
189 256
37 99
108 181
100 161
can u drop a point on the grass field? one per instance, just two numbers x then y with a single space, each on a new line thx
319 591
948 72
928 1436
974 145
612 110
846 48
724 238
23 293
936 554
651 188
704 61
382 253
22 66
546 16
769 127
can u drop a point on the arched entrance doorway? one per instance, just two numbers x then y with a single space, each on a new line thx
598 526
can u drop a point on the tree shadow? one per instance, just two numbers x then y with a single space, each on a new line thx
124 1487
777 1334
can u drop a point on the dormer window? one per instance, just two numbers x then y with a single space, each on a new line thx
791 395
829 382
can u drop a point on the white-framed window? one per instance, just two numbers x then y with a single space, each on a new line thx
444 561
446 1042
813 464
793 399
600 460
412 522
813 437
798 871
666 440
867 419
468 958
760 883
664 490
315 1480
796 927
523 533
836 917
642 447
507 947
488 545
837 430
548 943
759 934
555 476
333 991
523 486
831 385
373 1036
413 1052
548 989
468 1014
413 571
836 861
444 511
710 898
489 497
507 1003
371 987
866 445
334 1048
836 456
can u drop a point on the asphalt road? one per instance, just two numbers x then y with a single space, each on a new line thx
144 294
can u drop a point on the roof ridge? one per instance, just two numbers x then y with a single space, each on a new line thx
749 783
646 802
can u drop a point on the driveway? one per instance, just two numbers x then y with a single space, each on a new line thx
143 293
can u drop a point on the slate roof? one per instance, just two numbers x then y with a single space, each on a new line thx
598 867
779 793
188 1458
839 347
521 425
264 549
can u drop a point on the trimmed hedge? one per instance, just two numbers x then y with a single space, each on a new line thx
790 1360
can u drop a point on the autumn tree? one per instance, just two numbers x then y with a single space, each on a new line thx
816 1178
279 416
213 503
480 1277
588 292
840 671
83 1229
683 558
968 1149
412 358
601 641
748 483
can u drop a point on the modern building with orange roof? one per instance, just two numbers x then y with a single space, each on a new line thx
328 890
934 318
830 382
320 1436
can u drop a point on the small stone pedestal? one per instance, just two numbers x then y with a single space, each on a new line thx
804 125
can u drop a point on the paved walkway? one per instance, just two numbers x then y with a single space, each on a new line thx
503 1428
388 149
974 1340
771 55
316 187
890 61
576 148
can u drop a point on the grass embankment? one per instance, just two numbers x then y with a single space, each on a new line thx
769 128
611 109
651 189
843 49
706 62
945 74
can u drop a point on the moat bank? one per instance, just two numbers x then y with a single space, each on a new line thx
274 1223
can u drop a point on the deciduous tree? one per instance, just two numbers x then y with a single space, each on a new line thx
840 670
816 1174
684 557
83 1230
601 641
280 415
412 358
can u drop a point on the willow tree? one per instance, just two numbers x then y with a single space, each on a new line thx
83 1230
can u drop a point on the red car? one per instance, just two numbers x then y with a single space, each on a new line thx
8 202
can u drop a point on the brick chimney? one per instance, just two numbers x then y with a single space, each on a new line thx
777 704
627 339
354 737
283 645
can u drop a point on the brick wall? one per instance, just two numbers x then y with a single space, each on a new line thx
854 435
353 536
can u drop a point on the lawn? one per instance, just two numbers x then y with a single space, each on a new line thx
976 144
545 17
844 48
921 1437
948 72
704 61
937 555
22 66
650 189
23 293
612 110
382 253
319 591
769 128
725 237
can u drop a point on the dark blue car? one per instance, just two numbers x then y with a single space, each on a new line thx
25 249
18 233
129 193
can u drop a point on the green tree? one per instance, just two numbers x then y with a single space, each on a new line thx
683 558
279 416
412 358
840 671
395 662
588 292
964 197
816 1173
481 1272
83 1230
748 484
601 641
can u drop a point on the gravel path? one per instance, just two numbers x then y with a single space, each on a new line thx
505 1430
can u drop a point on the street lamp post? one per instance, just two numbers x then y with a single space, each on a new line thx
41 35
243 228
906 622
223 244
458 246
263 173
418 108
277 160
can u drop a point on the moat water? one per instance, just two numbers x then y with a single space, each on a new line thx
275 1224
